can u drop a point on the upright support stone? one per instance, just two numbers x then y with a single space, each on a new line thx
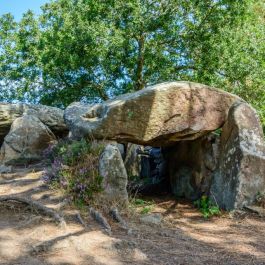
241 173
112 169
132 160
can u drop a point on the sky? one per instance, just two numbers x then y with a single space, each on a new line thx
18 7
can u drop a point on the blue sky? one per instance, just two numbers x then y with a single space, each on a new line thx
18 7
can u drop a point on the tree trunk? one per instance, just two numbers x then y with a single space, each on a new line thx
139 80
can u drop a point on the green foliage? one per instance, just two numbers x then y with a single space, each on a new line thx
142 206
218 132
93 50
146 210
139 202
207 207
74 168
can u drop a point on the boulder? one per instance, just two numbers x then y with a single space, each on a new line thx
241 170
156 116
26 140
111 168
73 117
152 219
50 116
132 160
102 144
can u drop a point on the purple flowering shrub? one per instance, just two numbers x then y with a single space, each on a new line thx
73 165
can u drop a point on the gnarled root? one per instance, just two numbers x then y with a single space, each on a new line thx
36 206
98 217
114 213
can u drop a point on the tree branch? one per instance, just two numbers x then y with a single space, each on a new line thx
140 63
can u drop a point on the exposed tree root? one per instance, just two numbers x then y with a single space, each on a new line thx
31 221
114 213
98 217
42 247
36 206
80 219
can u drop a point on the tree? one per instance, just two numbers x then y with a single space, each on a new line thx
7 54
92 50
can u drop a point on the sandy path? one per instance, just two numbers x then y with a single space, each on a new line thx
184 238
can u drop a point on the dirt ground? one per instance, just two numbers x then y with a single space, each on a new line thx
184 237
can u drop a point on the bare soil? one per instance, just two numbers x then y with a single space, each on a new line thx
184 237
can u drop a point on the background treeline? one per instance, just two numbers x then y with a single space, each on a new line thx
91 50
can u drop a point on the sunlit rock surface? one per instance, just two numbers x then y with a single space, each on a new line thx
26 140
241 171
156 116
50 116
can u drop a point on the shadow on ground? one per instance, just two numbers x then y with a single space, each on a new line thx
26 238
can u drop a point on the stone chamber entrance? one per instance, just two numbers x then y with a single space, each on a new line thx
184 170
149 174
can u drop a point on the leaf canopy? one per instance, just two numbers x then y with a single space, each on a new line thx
91 50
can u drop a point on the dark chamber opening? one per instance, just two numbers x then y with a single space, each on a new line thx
184 169
153 176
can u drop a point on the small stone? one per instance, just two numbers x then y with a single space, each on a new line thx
164 234
154 218
129 232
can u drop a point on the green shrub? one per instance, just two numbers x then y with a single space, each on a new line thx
73 166
207 207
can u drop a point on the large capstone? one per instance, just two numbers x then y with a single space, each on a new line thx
26 140
156 116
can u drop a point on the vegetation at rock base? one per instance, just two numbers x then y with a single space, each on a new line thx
92 50
141 206
73 167
207 207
